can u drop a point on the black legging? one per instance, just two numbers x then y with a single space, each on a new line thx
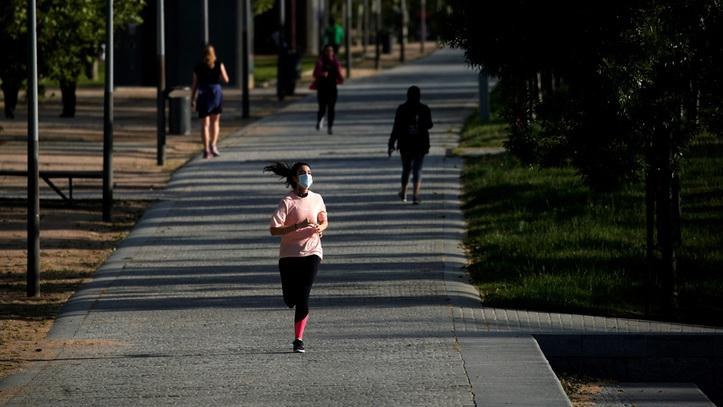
412 162
326 96
297 277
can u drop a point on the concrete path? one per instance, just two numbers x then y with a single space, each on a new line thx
188 310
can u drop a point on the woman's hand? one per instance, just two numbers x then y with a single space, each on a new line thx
304 223
318 228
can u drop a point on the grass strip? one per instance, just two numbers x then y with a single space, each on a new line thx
538 238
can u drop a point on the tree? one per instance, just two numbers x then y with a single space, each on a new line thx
12 48
70 34
617 89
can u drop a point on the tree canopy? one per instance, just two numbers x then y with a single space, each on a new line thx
70 33
593 83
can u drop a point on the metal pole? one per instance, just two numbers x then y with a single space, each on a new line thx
205 23
403 32
422 24
365 27
245 60
108 117
347 39
161 86
378 29
282 16
280 58
484 97
33 280
292 22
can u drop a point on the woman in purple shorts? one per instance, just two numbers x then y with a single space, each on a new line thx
207 98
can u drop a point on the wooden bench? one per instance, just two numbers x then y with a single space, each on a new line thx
47 175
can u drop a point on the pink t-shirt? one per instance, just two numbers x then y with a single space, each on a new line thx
294 209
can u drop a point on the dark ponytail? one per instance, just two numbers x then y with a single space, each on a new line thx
285 170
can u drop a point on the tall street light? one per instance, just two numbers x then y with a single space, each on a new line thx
161 85
108 116
33 270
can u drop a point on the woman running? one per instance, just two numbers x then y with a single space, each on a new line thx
300 220
327 74
207 77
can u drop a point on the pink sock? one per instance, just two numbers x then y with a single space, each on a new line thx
299 327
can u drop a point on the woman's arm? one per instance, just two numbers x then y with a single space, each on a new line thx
339 75
194 88
282 230
392 144
318 69
322 222
224 75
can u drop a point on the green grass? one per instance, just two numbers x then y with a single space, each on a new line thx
475 134
83 81
539 239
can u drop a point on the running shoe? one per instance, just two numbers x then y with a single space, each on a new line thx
402 196
298 346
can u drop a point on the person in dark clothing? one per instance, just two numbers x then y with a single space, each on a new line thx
68 97
327 74
10 89
410 135
206 84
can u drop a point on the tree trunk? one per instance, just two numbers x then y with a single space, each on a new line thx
538 84
67 90
650 189
666 228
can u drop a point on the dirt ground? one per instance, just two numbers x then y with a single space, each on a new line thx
582 391
74 240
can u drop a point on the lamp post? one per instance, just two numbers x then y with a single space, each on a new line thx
484 97
347 40
245 59
378 29
403 31
205 23
161 85
422 24
33 269
108 116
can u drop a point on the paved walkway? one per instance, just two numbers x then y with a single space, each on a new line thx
188 310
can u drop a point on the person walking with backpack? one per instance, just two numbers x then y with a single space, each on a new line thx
300 219
410 135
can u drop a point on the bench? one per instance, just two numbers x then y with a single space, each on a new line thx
47 175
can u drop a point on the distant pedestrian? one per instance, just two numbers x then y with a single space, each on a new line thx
10 88
327 74
300 220
207 98
410 135
333 35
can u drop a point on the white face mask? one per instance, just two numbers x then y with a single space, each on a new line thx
305 180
